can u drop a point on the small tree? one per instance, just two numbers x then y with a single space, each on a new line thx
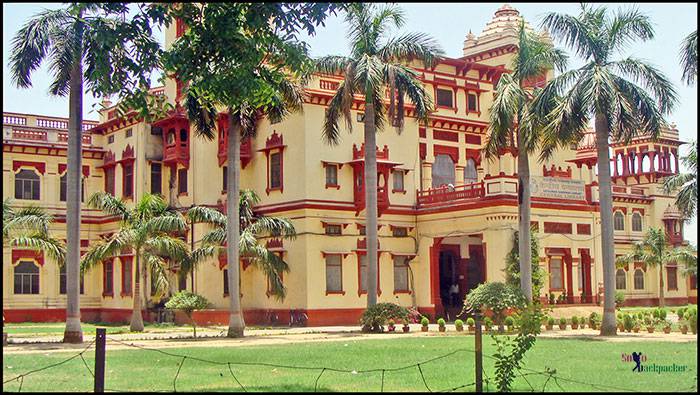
513 265
495 296
188 302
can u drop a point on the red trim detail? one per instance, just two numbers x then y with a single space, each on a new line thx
445 135
558 227
472 139
39 166
453 152
583 229
62 167
18 254
127 260
109 262
553 172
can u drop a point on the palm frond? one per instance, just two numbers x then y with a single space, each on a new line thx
202 214
572 31
54 248
274 226
411 46
689 58
109 204
652 79
332 64
102 250
626 26
201 111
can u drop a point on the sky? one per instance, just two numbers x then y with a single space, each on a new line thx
448 23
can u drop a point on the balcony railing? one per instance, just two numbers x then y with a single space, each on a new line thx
449 194
48 136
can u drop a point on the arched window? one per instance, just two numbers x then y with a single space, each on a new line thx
636 222
470 176
620 163
621 279
171 137
619 220
672 163
26 278
646 164
639 279
27 185
443 171
183 135
657 162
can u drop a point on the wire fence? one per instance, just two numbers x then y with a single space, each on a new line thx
552 379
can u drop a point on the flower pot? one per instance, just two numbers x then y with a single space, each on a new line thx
423 328
459 328
574 326
406 328
684 329
667 329
650 329
392 328
471 328
442 328
562 327
635 329
549 327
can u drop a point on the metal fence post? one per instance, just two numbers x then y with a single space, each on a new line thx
478 365
100 345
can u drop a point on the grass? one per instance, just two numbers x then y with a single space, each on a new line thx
145 370
57 328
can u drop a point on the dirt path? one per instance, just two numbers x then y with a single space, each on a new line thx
121 342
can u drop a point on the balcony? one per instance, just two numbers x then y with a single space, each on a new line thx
30 128
447 194
246 152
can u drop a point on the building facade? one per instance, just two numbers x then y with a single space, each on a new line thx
446 214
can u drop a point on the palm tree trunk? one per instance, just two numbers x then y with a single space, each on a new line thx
607 327
524 251
371 203
233 150
172 187
136 317
73 332
662 303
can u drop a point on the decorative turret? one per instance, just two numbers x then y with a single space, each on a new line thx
500 31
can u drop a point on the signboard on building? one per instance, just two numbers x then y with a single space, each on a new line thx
557 188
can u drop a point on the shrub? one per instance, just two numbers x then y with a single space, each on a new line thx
459 324
692 320
574 320
640 315
628 322
375 317
187 302
413 315
593 318
441 322
662 313
495 296
681 312
550 321
510 321
470 321
619 299
647 320
655 313
488 322
424 321
562 321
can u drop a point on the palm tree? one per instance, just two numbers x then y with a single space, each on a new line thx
288 96
372 66
655 251
253 227
148 230
687 197
58 35
609 91
689 58
512 106
28 227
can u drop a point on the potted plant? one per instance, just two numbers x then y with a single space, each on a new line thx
441 324
459 325
510 323
551 298
582 322
627 322
424 324
406 328
562 323
684 328
636 327
391 325
574 322
667 326
692 319
470 324
488 323
593 320
550 323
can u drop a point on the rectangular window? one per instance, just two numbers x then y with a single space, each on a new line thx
129 132
26 278
399 231
363 230
126 276
62 281
182 281
225 180
63 188
398 180
27 185
672 278
363 273
109 180
580 275
334 273
110 139
333 229
156 179
108 278
275 170
693 282
400 273
182 181
128 187
472 105
555 273
225 282
444 98
331 175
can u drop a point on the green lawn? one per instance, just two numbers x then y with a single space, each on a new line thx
57 328
581 360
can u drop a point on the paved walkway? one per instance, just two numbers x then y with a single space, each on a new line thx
255 337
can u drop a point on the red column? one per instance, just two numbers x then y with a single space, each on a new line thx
569 279
652 157
435 275
640 157
675 156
